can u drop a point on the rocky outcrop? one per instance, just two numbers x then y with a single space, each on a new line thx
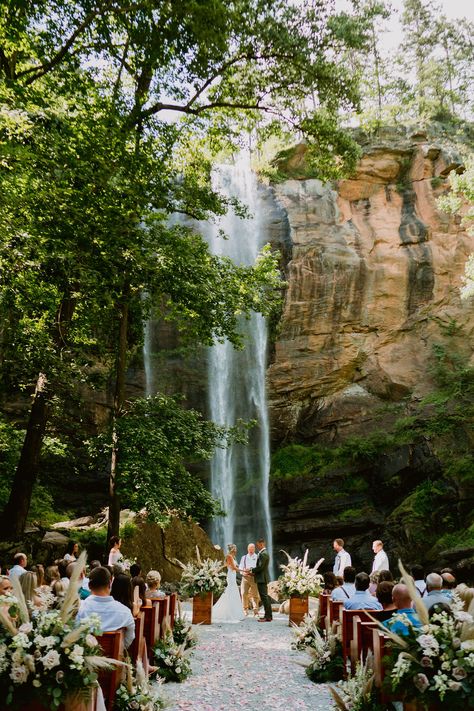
373 284
375 269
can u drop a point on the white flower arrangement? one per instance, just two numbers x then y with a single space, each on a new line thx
299 579
172 660
357 693
201 577
48 656
325 651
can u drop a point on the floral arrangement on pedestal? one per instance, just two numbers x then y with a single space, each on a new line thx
171 659
298 579
324 649
137 693
435 664
357 693
203 576
48 657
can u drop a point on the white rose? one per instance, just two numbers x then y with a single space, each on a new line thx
91 641
51 659
26 627
19 674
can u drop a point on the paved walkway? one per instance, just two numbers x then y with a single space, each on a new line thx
247 666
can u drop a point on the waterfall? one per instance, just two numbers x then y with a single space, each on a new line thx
236 379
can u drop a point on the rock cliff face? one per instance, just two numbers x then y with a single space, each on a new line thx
375 267
373 277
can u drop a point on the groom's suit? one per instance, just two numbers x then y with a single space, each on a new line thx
262 578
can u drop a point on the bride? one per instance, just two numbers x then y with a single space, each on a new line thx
229 608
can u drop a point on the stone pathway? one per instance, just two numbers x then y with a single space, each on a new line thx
247 666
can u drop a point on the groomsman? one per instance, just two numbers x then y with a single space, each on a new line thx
248 586
381 558
343 559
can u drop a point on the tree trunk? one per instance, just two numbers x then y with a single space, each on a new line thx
119 396
15 514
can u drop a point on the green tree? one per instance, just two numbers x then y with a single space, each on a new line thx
88 90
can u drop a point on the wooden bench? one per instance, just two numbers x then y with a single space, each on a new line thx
162 607
173 604
334 611
113 647
362 640
324 599
136 648
151 627
347 631
381 649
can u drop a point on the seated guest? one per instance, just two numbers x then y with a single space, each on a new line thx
135 570
83 591
38 570
330 582
121 590
340 580
466 594
138 582
51 575
384 596
6 588
362 599
347 589
114 616
72 552
374 581
403 603
434 583
153 581
385 575
19 564
93 564
419 579
449 583
58 589
29 584
63 576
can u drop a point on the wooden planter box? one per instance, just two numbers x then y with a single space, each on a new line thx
202 609
299 607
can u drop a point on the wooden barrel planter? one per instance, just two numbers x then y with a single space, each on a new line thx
202 609
299 607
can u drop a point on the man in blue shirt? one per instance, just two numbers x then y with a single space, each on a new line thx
362 599
405 617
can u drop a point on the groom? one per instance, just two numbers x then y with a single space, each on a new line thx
262 578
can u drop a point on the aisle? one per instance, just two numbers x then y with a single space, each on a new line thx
247 666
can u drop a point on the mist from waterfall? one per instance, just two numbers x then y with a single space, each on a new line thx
237 379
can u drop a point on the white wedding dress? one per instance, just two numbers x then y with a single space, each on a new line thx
229 607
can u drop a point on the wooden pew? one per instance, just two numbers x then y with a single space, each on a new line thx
173 603
347 629
381 646
151 627
136 648
109 680
362 641
162 607
324 599
334 611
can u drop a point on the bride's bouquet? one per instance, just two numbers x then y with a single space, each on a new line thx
201 577
299 579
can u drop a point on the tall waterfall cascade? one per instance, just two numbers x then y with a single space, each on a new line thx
225 383
237 379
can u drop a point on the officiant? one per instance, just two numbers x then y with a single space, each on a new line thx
248 586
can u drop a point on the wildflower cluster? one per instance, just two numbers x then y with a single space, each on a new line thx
171 659
138 694
324 649
357 693
299 579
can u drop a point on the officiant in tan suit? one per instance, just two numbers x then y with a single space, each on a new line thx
248 586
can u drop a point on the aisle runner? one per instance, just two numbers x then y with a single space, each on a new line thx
247 666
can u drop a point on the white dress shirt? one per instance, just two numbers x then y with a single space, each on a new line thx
114 616
248 561
380 561
343 560
16 571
